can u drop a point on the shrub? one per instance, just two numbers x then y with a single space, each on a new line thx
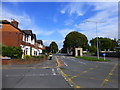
41 56
37 57
13 52
27 57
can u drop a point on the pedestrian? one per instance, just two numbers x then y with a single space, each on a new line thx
50 57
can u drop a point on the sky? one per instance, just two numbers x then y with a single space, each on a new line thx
52 21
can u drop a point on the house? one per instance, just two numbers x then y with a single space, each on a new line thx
26 39
11 34
40 46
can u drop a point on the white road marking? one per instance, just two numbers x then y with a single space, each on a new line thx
53 71
82 62
65 63
29 75
63 56
58 71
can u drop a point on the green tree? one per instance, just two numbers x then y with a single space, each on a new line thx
53 47
104 43
75 39
93 49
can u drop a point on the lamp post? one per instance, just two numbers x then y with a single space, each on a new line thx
96 36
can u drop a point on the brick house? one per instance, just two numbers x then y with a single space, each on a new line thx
13 36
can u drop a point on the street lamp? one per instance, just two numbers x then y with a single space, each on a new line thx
96 22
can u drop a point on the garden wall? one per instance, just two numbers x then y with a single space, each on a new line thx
23 61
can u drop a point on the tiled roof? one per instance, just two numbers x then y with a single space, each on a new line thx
40 42
7 22
29 32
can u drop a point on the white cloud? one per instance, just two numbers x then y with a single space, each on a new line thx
23 19
25 22
64 32
69 22
74 8
59 43
62 11
107 14
42 32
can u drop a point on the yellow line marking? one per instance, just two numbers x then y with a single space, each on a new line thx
82 73
66 77
109 75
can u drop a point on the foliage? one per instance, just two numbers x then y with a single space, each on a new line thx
92 58
13 52
75 39
37 57
93 49
27 57
104 43
53 47
0 50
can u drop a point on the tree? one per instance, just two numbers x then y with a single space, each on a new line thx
75 39
104 43
93 49
53 47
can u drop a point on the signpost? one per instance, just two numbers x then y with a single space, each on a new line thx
104 54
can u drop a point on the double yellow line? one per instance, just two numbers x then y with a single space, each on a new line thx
69 80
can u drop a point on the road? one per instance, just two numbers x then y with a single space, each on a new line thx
72 73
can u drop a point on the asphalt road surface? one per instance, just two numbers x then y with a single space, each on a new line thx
75 73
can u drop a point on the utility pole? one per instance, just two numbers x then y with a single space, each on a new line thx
96 22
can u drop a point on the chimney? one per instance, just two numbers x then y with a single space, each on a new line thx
15 23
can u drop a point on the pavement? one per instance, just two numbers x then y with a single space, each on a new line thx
62 72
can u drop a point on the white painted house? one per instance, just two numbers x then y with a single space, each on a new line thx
30 45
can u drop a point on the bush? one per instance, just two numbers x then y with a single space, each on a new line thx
41 56
27 57
13 52
37 57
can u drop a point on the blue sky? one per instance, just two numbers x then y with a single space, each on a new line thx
52 21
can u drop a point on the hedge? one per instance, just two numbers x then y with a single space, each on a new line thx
13 52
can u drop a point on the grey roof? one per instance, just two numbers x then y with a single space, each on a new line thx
29 32
40 42
34 36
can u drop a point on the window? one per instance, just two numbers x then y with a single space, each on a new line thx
34 52
26 50
0 26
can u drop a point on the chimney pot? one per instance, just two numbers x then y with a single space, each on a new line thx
15 23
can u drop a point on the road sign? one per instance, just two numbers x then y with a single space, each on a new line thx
104 54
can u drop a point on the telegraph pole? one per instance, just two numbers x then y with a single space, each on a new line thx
98 56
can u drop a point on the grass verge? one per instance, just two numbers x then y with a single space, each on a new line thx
92 58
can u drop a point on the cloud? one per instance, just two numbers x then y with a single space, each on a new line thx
23 19
69 22
59 43
107 13
62 11
42 32
74 8
25 22
64 32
